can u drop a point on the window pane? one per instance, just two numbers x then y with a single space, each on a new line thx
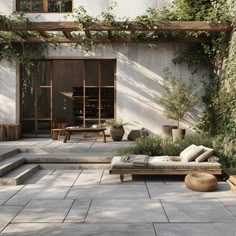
28 126
43 102
44 126
43 73
92 73
59 6
37 6
25 5
66 6
53 6
27 93
107 73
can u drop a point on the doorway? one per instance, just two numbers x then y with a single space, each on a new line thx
79 92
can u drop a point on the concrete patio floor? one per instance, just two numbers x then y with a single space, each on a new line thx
92 202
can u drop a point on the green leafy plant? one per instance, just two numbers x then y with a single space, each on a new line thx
24 52
179 97
156 146
115 123
150 145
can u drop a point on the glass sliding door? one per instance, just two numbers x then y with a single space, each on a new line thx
36 91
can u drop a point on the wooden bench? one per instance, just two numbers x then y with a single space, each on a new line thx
55 133
70 130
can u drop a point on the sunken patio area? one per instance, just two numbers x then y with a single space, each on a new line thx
65 199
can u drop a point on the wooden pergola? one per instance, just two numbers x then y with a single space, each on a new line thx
67 30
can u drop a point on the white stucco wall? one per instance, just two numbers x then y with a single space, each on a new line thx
7 93
124 8
139 68
139 76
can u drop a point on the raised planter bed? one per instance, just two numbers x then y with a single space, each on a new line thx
10 132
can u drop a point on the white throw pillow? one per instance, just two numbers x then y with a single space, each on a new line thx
186 149
190 153
205 155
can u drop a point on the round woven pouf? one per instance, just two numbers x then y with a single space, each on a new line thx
201 182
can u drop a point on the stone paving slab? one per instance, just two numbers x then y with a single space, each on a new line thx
188 210
115 179
6 192
37 176
59 179
78 211
137 191
159 190
32 191
232 209
44 211
66 171
229 201
46 229
89 177
7 213
196 229
129 211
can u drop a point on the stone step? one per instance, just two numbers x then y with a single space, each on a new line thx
7 152
91 158
19 175
10 164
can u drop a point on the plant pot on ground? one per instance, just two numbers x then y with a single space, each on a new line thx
167 130
178 134
116 129
180 97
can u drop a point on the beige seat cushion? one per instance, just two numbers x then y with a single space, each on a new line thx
162 162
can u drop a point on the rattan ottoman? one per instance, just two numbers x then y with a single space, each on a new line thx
201 182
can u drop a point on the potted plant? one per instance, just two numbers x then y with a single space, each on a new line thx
116 128
180 97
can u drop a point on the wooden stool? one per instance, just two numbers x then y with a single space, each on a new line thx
201 182
55 133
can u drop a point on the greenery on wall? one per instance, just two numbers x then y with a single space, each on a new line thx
22 51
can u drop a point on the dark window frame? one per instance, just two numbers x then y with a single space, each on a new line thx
46 6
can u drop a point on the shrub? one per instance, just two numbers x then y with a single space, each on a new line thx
226 150
150 145
156 146
174 149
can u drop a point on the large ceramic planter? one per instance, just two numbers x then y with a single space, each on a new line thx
117 133
178 134
167 130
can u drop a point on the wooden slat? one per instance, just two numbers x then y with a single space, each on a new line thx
124 40
19 33
68 34
44 34
132 32
88 34
166 171
45 5
109 34
98 26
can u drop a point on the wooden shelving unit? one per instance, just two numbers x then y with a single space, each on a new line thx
94 102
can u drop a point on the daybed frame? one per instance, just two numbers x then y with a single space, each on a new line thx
161 171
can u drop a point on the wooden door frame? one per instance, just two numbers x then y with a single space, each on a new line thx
52 59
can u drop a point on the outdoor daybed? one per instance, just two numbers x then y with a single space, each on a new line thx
189 161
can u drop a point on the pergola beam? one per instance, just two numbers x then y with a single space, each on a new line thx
44 34
67 34
99 26
103 40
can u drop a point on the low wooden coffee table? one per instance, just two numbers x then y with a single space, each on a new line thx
70 130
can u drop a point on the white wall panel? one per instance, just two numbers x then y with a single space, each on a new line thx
7 93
